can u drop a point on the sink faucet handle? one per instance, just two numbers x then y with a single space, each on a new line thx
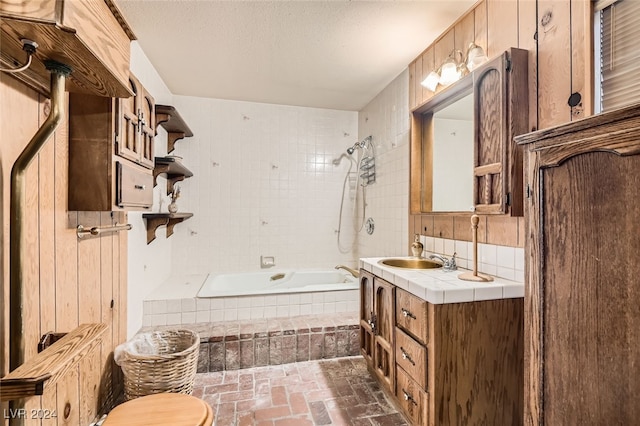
452 262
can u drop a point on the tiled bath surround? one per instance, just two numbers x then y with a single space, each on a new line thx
499 261
386 118
264 184
175 303
196 310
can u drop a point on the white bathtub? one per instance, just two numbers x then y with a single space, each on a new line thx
276 282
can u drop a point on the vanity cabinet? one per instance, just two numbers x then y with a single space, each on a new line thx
454 363
582 315
377 327
111 151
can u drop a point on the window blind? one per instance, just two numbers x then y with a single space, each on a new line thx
619 54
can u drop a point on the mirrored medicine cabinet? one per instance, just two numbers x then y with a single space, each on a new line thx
463 158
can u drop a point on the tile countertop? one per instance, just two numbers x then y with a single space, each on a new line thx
438 286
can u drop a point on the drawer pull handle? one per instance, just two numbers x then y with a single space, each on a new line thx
408 397
406 356
407 314
141 187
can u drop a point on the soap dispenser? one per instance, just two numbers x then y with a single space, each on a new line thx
417 247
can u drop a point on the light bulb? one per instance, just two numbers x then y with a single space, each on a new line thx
431 82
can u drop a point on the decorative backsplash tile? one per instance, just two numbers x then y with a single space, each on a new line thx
500 261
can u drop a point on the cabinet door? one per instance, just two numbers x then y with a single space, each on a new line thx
582 317
147 117
366 316
384 353
127 136
500 113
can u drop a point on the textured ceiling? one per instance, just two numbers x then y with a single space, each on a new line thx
325 54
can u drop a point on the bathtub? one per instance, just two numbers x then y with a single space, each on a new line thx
276 282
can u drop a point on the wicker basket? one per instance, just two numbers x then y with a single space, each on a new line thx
171 368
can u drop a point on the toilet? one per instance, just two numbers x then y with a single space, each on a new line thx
161 409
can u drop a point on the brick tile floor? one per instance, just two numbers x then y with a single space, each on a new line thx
337 391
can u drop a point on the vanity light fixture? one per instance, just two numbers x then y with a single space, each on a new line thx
456 66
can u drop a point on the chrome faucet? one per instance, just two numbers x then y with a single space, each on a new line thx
352 271
447 264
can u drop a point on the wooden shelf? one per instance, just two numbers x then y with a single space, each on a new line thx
45 368
173 168
168 117
155 220
90 37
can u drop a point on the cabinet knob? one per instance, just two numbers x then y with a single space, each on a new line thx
141 187
406 356
408 397
407 313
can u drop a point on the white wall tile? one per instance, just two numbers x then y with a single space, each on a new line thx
174 306
174 318
203 316
203 304
188 305
506 257
188 318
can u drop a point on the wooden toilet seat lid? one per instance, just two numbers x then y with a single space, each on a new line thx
170 409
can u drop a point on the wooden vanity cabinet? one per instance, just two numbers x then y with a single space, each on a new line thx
457 363
111 151
582 315
377 327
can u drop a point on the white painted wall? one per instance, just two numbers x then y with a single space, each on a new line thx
148 265
386 118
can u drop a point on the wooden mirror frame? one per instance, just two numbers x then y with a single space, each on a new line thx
501 111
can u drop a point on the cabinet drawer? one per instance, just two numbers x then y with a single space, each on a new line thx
411 315
411 397
134 187
412 357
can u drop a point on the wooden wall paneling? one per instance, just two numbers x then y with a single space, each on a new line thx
418 80
521 232
428 65
89 312
554 62
442 48
46 190
502 230
119 311
480 25
581 58
462 228
123 265
443 226
23 119
31 274
107 281
464 32
66 277
502 26
527 26
426 225
415 165
412 85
